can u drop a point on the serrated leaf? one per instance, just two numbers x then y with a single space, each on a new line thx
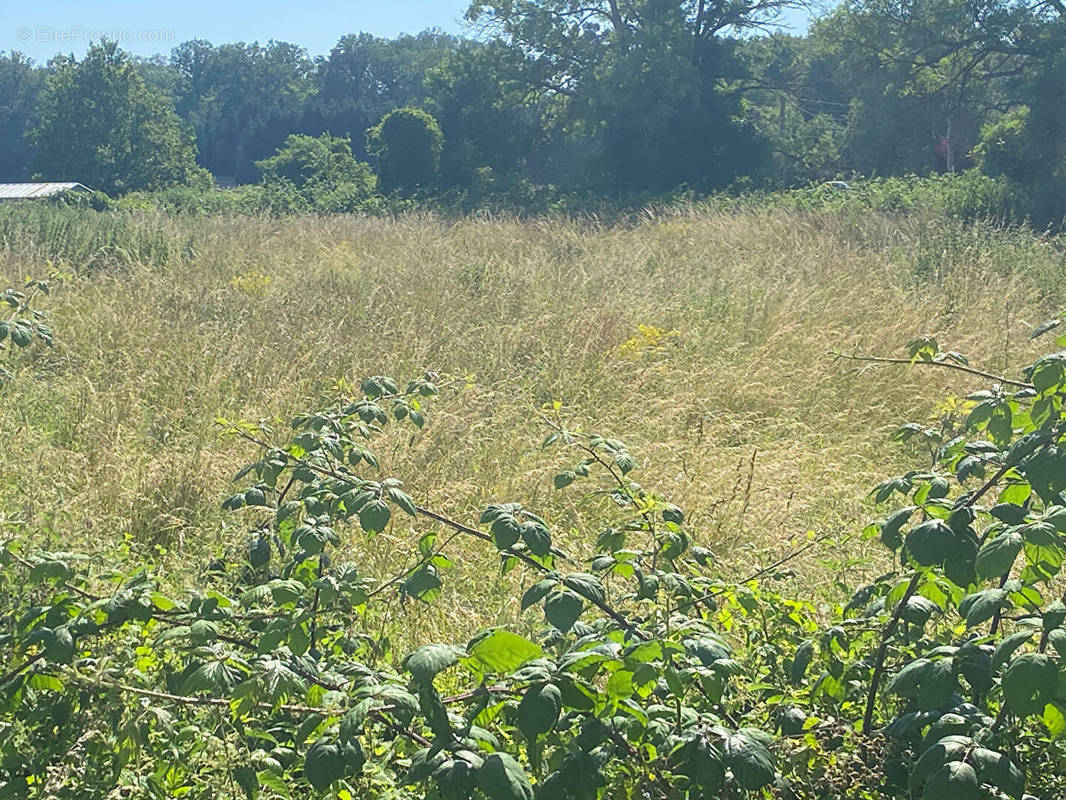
1045 327
537 592
429 660
1029 683
998 770
944 751
504 652
982 606
323 765
539 710
500 777
749 759
562 609
403 500
586 585
998 555
955 780
374 516
1006 648
801 661
536 537
931 543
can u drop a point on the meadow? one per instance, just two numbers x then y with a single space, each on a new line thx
700 338
211 592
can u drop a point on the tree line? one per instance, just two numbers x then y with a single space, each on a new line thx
613 97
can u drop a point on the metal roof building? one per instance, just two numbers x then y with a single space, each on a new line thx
30 191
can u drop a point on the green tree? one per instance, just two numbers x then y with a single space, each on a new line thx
364 77
101 125
643 81
923 77
20 88
322 170
407 145
1028 144
242 100
480 96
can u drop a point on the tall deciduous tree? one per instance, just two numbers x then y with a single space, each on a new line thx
101 125
20 88
644 76
925 75
242 99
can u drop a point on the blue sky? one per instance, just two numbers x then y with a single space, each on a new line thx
42 29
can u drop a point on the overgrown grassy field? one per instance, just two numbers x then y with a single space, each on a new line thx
700 339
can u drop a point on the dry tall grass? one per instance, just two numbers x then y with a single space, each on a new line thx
739 417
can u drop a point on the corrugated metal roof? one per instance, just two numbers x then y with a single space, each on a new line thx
23 191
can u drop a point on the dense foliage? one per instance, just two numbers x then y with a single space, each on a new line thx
623 98
99 121
639 673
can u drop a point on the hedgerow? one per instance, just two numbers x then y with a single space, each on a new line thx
640 673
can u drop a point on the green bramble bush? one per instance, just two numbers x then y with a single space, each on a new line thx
648 676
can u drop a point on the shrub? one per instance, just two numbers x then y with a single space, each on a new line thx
319 168
407 145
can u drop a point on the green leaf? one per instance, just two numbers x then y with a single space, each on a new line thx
673 514
1029 683
374 516
938 685
906 681
202 631
997 556
890 528
944 751
327 761
749 759
588 586
500 777
1055 718
801 661
423 584
620 685
701 762
998 770
1046 471
537 592
1057 639
562 609
1005 649
955 780
982 606
931 543
59 647
1044 327
539 710
564 479
503 652
505 531
352 723
537 538
918 610
401 499
429 660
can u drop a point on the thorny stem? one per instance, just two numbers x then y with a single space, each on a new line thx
630 627
945 364
882 651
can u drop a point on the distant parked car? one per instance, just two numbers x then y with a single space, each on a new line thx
838 185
